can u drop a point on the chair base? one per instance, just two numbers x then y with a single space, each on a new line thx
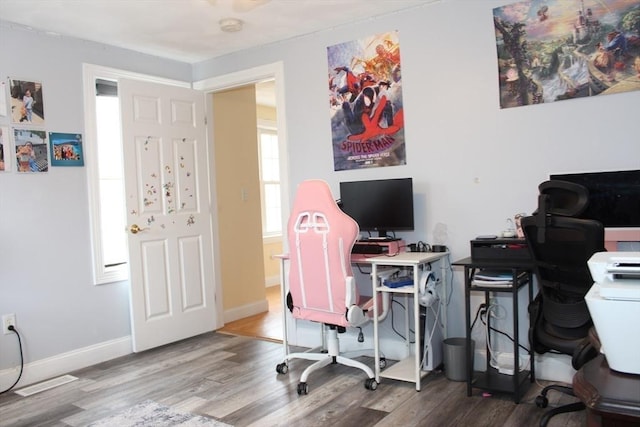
571 407
542 402
332 356
324 359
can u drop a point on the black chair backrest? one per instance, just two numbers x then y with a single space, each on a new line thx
561 255
559 198
560 246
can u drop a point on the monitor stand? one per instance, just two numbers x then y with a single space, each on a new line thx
382 237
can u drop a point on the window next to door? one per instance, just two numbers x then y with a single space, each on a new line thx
106 186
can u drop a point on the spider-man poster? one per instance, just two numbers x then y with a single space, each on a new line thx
365 99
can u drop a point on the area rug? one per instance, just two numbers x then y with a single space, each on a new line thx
152 414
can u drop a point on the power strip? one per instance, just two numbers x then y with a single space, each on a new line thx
506 369
505 362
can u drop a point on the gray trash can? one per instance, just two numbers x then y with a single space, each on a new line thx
455 358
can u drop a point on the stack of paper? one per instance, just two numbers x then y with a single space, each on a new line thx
493 278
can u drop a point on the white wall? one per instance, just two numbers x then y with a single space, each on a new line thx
45 268
473 164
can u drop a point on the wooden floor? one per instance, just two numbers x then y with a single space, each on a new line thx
233 379
266 325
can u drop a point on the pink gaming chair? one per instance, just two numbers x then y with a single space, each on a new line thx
321 283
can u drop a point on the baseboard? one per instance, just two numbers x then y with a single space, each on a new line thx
554 367
247 310
64 363
271 281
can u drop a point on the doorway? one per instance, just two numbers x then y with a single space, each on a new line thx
264 313
245 122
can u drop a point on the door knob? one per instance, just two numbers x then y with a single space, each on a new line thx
135 229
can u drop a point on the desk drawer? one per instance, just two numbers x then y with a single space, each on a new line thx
500 249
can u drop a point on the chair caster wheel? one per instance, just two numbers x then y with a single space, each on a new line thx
282 368
303 388
371 384
383 362
542 401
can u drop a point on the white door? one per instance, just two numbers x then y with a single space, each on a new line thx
168 213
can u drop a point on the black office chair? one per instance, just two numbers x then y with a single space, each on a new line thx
560 245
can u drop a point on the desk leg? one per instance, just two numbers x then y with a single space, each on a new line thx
443 294
376 343
516 340
467 303
416 324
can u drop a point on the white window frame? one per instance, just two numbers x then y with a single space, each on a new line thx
271 126
90 72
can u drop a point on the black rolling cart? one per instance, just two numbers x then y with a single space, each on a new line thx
521 277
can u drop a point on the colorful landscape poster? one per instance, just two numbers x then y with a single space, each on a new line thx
365 102
553 50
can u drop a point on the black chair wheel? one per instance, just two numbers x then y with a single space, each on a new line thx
383 362
542 401
282 368
371 384
303 388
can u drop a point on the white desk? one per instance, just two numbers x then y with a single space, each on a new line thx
408 369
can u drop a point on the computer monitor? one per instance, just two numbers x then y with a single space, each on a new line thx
383 206
614 197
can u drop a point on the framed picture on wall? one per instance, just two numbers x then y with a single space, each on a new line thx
556 50
66 149
27 105
31 150
3 99
5 157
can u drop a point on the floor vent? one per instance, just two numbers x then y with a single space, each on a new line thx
45 385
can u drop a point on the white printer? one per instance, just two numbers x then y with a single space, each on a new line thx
614 304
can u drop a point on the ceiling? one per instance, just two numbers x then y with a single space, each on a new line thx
188 30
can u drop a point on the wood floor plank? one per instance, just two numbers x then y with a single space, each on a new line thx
419 405
391 396
296 411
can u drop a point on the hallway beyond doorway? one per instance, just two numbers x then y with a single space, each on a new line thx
266 326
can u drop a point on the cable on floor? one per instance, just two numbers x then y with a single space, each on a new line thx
15 331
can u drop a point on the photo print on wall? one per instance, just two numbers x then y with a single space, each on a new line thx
31 150
3 99
27 105
5 157
554 50
365 102
66 149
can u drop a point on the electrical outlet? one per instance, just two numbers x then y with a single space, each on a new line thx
8 320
